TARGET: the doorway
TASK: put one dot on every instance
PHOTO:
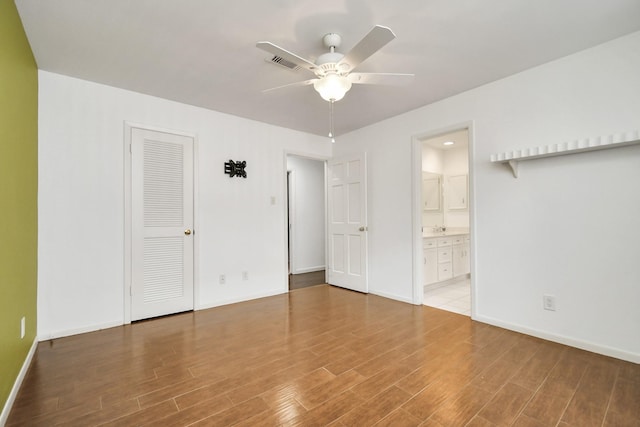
(306, 221)
(444, 217)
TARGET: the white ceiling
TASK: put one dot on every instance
(202, 52)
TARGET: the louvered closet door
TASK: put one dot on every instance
(162, 223)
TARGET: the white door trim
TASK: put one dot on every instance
(416, 209)
(416, 220)
(291, 213)
(285, 205)
(126, 291)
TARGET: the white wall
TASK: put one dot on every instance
(432, 159)
(569, 226)
(308, 214)
(81, 208)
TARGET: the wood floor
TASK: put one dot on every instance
(304, 280)
(322, 356)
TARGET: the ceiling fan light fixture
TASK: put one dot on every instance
(332, 87)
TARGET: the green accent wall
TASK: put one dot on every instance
(18, 195)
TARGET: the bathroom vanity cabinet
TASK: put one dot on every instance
(445, 257)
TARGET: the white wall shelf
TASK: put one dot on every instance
(512, 158)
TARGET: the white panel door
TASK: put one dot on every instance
(162, 221)
(347, 231)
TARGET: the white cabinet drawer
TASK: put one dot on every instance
(445, 271)
(458, 240)
(429, 243)
(444, 241)
(444, 254)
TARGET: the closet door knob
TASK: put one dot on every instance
(187, 231)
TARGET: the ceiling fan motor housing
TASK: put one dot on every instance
(328, 62)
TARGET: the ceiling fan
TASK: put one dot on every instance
(333, 70)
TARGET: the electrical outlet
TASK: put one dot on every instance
(549, 302)
(223, 279)
(22, 327)
(245, 275)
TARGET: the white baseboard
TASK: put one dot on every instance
(76, 331)
(308, 269)
(18, 383)
(561, 339)
(393, 297)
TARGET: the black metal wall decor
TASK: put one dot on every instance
(235, 169)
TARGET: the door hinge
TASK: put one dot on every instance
(130, 149)
(130, 291)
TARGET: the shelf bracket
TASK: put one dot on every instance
(514, 167)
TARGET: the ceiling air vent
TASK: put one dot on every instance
(284, 63)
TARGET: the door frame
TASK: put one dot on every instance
(285, 203)
(416, 208)
(291, 214)
(127, 261)
(291, 211)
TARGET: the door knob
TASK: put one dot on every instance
(187, 231)
(362, 229)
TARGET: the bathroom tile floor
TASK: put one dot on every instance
(455, 297)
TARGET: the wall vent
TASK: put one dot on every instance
(284, 63)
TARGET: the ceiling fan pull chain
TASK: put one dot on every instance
(333, 139)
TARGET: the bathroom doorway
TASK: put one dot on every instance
(444, 215)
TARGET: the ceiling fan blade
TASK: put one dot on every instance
(370, 44)
(393, 79)
(303, 83)
(285, 54)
